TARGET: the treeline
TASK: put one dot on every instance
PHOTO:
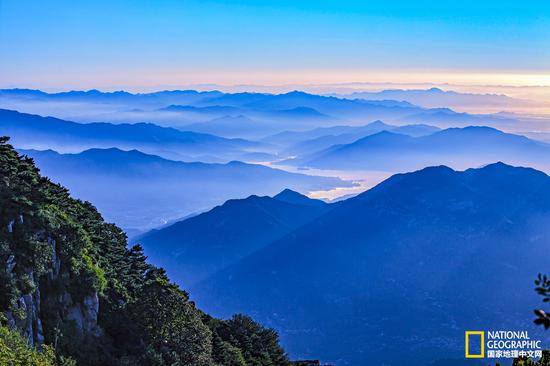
(70, 286)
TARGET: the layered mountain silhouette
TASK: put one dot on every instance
(197, 247)
(35, 132)
(353, 134)
(233, 126)
(299, 102)
(292, 111)
(141, 191)
(437, 98)
(170, 97)
(214, 110)
(446, 117)
(295, 139)
(394, 276)
(458, 147)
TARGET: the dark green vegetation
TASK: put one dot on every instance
(68, 280)
(543, 318)
(543, 289)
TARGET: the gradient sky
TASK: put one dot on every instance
(139, 44)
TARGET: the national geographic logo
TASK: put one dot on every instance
(501, 344)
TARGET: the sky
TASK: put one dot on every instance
(146, 45)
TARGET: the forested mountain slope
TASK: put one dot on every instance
(68, 280)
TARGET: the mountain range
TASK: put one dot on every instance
(329, 136)
(458, 147)
(287, 138)
(395, 275)
(29, 131)
(294, 110)
(438, 98)
(141, 191)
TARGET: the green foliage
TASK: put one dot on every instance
(15, 350)
(62, 247)
(173, 330)
(228, 355)
(542, 284)
(256, 344)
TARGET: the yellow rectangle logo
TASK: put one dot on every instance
(479, 333)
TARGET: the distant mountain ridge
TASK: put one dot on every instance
(233, 126)
(141, 191)
(196, 248)
(36, 132)
(436, 97)
(116, 96)
(189, 108)
(300, 106)
(474, 145)
(327, 137)
(290, 196)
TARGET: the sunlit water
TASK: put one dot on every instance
(362, 179)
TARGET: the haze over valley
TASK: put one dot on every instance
(165, 155)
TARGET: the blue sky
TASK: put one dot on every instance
(107, 43)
